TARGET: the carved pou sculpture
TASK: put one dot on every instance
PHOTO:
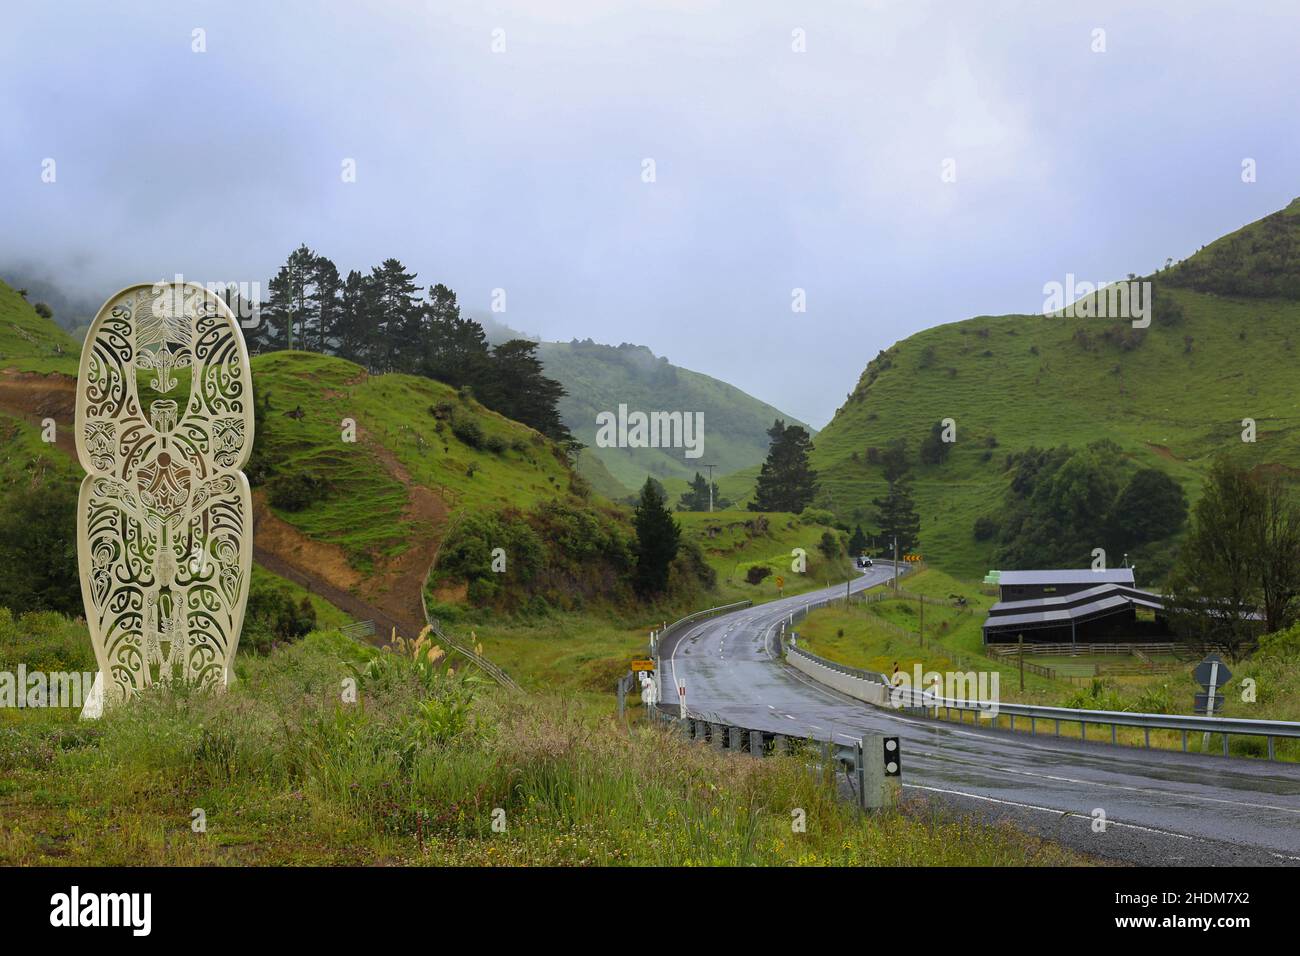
(164, 519)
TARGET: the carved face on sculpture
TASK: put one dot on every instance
(164, 423)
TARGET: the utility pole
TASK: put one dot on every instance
(921, 600)
(710, 467)
(1021, 642)
(895, 564)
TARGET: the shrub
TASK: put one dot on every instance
(43, 310)
(985, 528)
(829, 545)
(274, 618)
(816, 516)
(467, 429)
(496, 444)
(756, 573)
(296, 491)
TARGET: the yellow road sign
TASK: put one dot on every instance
(643, 665)
(780, 582)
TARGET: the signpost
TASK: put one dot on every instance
(1211, 673)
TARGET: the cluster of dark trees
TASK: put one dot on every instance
(1258, 261)
(1063, 503)
(386, 322)
(1238, 569)
(697, 497)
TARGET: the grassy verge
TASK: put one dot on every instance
(281, 771)
(878, 636)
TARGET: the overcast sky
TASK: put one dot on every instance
(774, 169)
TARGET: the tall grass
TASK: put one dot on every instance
(417, 770)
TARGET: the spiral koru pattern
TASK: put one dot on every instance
(164, 521)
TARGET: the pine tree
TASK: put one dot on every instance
(858, 541)
(895, 512)
(292, 308)
(786, 482)
(455, 348)
(657, 538)
(519, 389)
(352, 327)
(396, 336)
(696, 498)
(326, 288)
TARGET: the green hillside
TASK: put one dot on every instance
(410, 430)
(599, 378)
(30, 342)
(1171, 395)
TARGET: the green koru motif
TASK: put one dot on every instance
(164, 520)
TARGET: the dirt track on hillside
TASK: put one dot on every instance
(390, 597)
(34, 397)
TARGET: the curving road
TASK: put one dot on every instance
(1161, 807)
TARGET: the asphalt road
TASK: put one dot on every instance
(1161, 807)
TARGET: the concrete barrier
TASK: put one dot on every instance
(859, 688)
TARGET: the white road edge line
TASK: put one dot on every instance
(1060, 813)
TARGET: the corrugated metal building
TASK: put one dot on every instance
(1072, 606)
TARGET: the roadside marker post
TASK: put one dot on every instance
(879, 771)
(681, 700)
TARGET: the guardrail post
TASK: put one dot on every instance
(780, 745)
(1270, 748)
(715, 735)
(756, 743)
(697, 729)
(733, 738)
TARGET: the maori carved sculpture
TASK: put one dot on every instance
(164, 424)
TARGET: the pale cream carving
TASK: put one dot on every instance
(164, 424)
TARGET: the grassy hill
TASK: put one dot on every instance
(601, 377)
(30, 342)
(1171, 396)
(410, 431)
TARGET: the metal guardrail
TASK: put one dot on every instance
(358, 629)
(691, 618)
(871, 790)
(657, 638)
(485, 665)
(1185, 723)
